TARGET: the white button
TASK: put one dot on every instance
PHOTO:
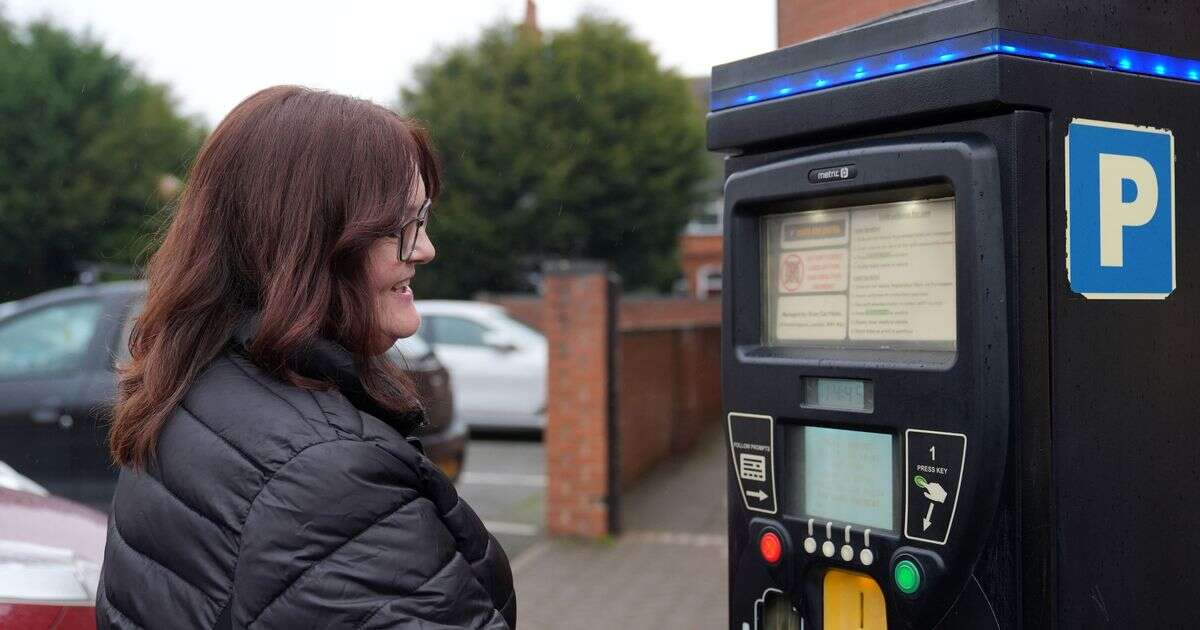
(827, 548)
(810, 544)
(847, 553)
(866, 557)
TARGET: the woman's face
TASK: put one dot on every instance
(390, 282)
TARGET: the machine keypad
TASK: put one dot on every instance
(847, 552)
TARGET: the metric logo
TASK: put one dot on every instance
(1120, 210)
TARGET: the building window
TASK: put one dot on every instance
(708, 281)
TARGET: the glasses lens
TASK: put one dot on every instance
(408, 239)
(411, 230)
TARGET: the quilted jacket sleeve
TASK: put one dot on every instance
(342, 536)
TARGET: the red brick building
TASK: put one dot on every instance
(700, 260)
(802, 20)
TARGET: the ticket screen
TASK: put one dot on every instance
(841, 475)
(873, 276)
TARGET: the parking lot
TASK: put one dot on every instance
(504, 481)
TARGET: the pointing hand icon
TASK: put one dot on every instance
(935, 492)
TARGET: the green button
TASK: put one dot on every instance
(908, 577)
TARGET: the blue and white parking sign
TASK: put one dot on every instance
(1120, 210)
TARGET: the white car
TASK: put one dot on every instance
(497, 363)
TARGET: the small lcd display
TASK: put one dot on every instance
(871, 276)
(842, 476)
(847, 394)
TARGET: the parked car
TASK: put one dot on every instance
(57, 384)
(445, 436)
(50, 555)
(498, 363)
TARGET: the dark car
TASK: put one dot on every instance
(57, 383)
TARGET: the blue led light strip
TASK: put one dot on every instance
(983, 43)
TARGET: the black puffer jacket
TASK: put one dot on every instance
(268, 506)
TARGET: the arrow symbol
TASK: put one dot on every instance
(758, 494)
(925, 523)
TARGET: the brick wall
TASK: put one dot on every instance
(645, 312)
(670, 393)
(634, 312)
(802, 20)
(648, 380)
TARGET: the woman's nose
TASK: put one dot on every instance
(424, 250)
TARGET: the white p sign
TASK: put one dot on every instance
(1115, 213)
(1120, 210)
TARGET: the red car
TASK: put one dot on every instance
(50, 555)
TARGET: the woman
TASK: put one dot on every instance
(266, 478)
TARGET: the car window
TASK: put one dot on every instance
(50, 340)
(522, 331)
(428, 329)
(458, 331)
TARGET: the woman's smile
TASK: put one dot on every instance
(403, 290)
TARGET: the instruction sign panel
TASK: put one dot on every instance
(881, 275)
(752, 447)
(1120, 210)
(934, 464)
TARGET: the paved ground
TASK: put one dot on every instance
(504, 481)
(666, 572)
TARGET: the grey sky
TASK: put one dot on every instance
(215, 53)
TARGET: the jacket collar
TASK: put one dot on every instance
(326, 360)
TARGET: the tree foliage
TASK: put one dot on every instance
(84, 145)
(573, 143)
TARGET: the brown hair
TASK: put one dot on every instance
(278, 214)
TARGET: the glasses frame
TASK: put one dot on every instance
(405, 250)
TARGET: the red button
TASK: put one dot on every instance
(770, 547)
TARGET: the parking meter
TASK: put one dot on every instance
(960, 326)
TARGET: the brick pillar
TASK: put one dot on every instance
(580, 436)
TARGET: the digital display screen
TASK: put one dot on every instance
(839, 393)
(872, 276)
(841, 475)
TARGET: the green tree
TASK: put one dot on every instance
(573, 143)
(85, 143)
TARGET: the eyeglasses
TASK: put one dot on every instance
(411, 231)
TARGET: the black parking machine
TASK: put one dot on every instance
(961, 345)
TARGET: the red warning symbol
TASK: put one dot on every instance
(792, 271)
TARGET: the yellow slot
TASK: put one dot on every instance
(853, 601)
